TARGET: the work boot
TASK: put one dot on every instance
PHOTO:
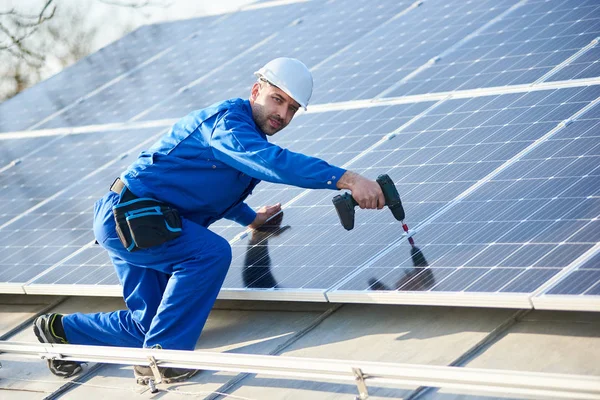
(169, 375)
(48, 329)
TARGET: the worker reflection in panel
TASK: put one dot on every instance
(257, 263)
(154, 220)
(420, 278)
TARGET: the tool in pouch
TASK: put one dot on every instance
(143, 222)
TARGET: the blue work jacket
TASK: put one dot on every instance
(211, 160)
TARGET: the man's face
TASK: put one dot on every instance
(272, 108)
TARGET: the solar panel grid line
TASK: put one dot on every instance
(506, 164)
(567, 271)
(400, 240)
(203, 77)
(414, 5)
(458, 94)
(61, 262)
(558, 278)
(98, 90)
(82, 129)
(10, 165)
(450, 49)
(408, 45)
(567, 62)
(518, 51)
(93, 173)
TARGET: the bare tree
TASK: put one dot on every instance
(16, 27)
(57, 35)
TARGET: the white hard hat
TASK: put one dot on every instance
(291, 76)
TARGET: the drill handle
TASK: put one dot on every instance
(344, 205)
(392, 198)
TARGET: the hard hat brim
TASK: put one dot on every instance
(273, 81)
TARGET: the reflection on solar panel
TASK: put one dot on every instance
(500, 181)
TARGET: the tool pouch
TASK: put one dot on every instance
(143, 223)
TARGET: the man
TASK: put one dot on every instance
(154, 220)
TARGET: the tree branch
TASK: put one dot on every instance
(136, 4)
(24, 26)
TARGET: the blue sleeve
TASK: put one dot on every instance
(236, 143)
(241, 213)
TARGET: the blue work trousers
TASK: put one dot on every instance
(169, 289)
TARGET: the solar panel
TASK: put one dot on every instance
(47, 199)
(584, 281)
(500, 186)
(313, 37)
(488, 229)
(167, 74)
(392, 51)
(521, 48)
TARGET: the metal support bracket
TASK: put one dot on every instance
(157, 376)
(51, 356)
(363, 394)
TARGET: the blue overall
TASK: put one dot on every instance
(205, 166)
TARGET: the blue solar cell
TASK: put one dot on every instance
(583, 281)
(529, 280)
(520, 48)
(15, 149)
(384, 56)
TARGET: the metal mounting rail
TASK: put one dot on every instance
(460, 380)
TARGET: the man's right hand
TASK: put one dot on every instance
(367, 193)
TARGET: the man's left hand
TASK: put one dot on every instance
(263, 214)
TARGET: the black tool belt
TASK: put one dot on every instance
(143, 222)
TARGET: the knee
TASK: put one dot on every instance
(222, 249)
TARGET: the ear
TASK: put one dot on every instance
(254, 92)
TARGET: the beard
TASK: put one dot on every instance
(262, 119)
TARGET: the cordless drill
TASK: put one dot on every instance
(345, 203)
